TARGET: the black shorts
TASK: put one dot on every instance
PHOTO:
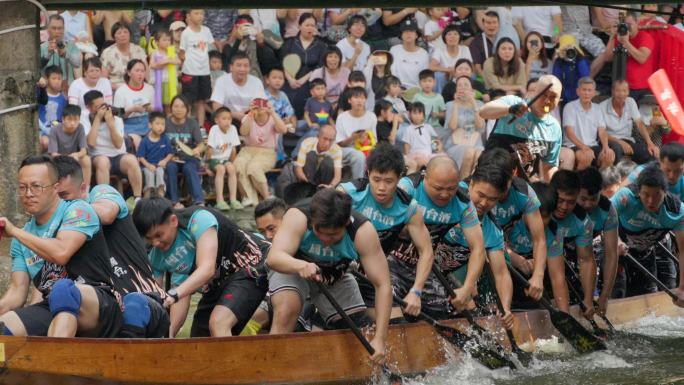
(115, 165)
(159, 318)
(196, 88)
(37, 318)
(240, 293)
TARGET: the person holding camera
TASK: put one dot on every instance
(56, 51)
(638, 46)
(569, 67)
(104, 130)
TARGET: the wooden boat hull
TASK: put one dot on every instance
(319, 357)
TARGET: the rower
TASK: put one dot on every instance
(444, 206)
(529, 133)
(144, 316)
(603, 216)
(203, 249)
(577, 231)
(646, 212)
(518, 238)
(62, 249)
(485, 188)
(671, 161)
(394, 214)
(520, 203)
(317, 240)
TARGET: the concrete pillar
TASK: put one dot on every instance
(19, 61)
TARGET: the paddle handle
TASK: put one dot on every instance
(534, 99)
(450, 288)
(355, 329)
(650, 275)
(499, 306)
(669, 254)
(523, 281)
(582, 306)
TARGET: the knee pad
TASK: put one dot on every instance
(136, 310)
(64, 297)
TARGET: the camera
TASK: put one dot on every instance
(60, 44)
(622, 27)
(116, 111)
(571, 54)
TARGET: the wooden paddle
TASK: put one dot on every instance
(650, 275)
(486, 357)
(668, 253)
(523, 356)
(481, 332)
(579, 337)
(393, 377)
(531, 102)
(578, 295)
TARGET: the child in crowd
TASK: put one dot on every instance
(51, 102)
(154, 153)
(69, 138)
(433, 28)
(388, 121)
(356, 79)
(221, 151)
(419, 138)
(159, 64)
(216, 66)
(275, 79)
(176, 28)
(393, 95)
(317, 110)
(435, 108)
(195, 45)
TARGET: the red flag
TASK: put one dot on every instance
(667, 99)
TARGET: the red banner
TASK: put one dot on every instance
(668, 100)
(670, 58)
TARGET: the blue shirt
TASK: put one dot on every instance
(520, 240)
(603, 216)
(576, 229)
(529, 138)
(642, 228)
(521, 200)
(180, 258)
(51, 112)
(107, 192)
(676, 189)
(74, 215)
(281, 104)
(154, 152)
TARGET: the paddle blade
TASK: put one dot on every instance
(579, 337)
(485, 356)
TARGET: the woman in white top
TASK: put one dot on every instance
(355, 51)
(92, 80)
(409, 58)
(444, 59)
(135, 98)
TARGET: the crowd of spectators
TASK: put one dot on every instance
(238, 95)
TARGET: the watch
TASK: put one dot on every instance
(173, 294)
(417, 292)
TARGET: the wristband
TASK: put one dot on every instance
(173, 294)
(417, 292)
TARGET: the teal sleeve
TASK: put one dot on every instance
(105, 191)
(200, 222)
(18, 261)
(611, 220)
(554, 245)
(81, 217)
(406, 185)
(532, 204)
(586, 236)
(469, 216)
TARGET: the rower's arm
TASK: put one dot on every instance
(610, 263)
(421, 239)
(502, 278)
(587, 267)
(558, 283)
(475, 239)
(16, 293)
(205, 264)
(494, 110)
(374, 264)
(535, 225)
(57, 250)
(286, 242)
(177, 315)
(106, 210)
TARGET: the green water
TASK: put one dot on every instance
(650, 351)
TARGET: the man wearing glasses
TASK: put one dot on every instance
(63, 251)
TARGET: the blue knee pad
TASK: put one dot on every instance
(6, 331)
(136, 310)
(65, 297)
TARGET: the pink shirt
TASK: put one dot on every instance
(334, 84)
(261, 135)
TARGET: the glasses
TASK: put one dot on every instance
(35, 189)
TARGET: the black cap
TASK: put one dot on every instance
(408, 25)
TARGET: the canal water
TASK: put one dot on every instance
(649, 351)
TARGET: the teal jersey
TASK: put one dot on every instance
(179, 260)
(520, 240)
(105, 191)
(388, 221)
(640, 228)
(577, 230)
(74, 215)
(676, 189)
(520, 201)
(603, 216)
